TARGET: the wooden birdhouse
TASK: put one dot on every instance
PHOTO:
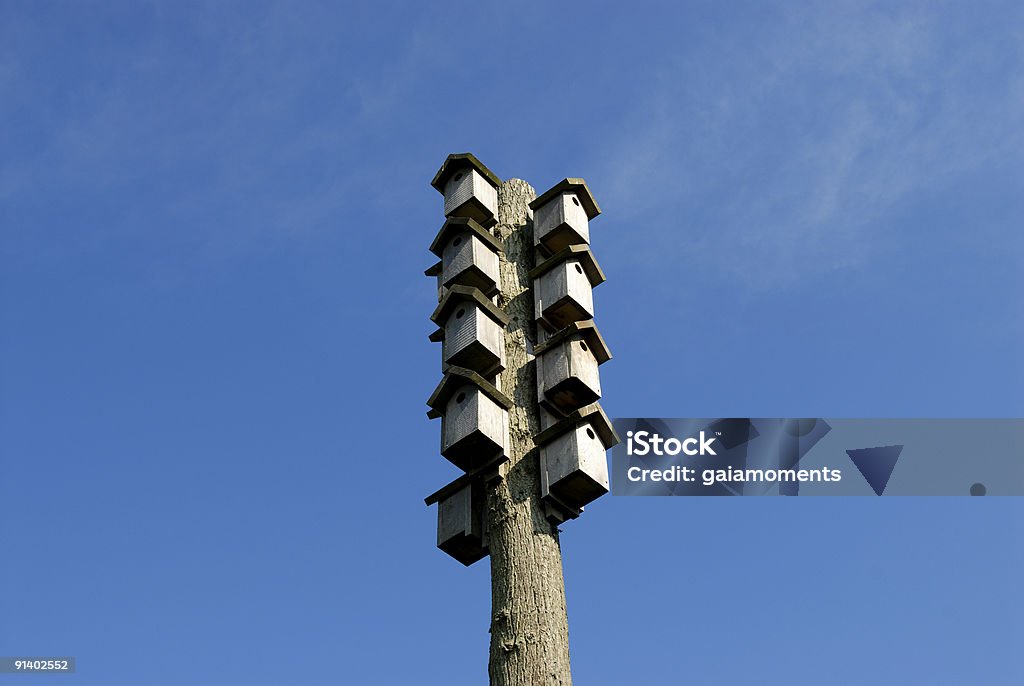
(474, 418)
(469, 255)
(470, 189)
(562, 214)
(563, 287)
(573, 465)
(472, 331)
(460, 523)
(567, 362)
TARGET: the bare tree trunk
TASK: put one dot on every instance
(529, 627)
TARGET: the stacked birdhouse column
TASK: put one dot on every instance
(518, 398)
(575, 431)
(468, 400)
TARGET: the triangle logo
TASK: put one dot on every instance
(876, 464)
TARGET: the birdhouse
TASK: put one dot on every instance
(567, 375)
(563, 287)
(470, 189)
(572, 457)
(469, 255)
(435, 271)
(472, 331)
(474, 418)
(562, 214)
(461, 525)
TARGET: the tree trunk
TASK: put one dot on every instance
(529, 626)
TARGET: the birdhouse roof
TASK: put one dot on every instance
(482, 474)
(462, 160)
(588, 331)
(592, 414)
(577, 186)
(573, 252)
(434, 269)
(454, 379)
(456, 224)
(460, 294)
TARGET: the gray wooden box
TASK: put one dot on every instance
(563, 287)
(567, 367)
(469, 255)
(562, 214)
(573, 465)
(474, 418)
(470, 189)
(472, 331)
(460, 524)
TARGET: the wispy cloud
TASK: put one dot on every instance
(804, 135)
(249, 125)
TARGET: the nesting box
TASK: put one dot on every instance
(572, 457)
(472, 331)
(470, 189)
(474, 418)
(575, 467)
(567, 374)
(563, 287)
(562, 214)
(469, 255)
(460, 524)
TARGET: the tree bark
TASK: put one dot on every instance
(529, 625)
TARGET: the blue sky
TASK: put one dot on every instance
(214, 355)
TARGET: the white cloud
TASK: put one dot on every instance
(795, 142)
